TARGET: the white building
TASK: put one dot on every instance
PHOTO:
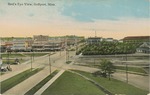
(94, 40)
(144, 48)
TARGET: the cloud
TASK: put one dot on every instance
(78, 20)
(107, 10)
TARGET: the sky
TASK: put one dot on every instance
(109, 18)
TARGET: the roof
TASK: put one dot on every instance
(136, 37)
(146, 44)
(143, 48)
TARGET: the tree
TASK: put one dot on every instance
(107, 67)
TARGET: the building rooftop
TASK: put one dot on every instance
(136, 37)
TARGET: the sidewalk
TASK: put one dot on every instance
(29, 83)
(40, 91)
(15, 70)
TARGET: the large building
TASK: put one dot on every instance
(136, 39)
(44, 43)
(94, 40)
(23, 44)
(72, 39)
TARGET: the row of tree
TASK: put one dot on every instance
(108, 48)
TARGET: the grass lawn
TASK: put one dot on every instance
(133, 69)
(35, 54)
(15, 55)
(116, 86)
(12, 61)
(42, 83)
(11, 82)
(12, 55)
(72, 84)
(130, 69)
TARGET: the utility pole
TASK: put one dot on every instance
(126, 65)
(68, 54)
(66, 49)
(50, 63)
(8, 62)
(60, 52)
(33, 54)
(31, 62)
(127, 72)
(7, 56)
(60, 47)
(76, 44)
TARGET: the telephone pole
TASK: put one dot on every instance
(50, 63)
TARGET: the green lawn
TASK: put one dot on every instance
(130, 69)
(116, 86)
(11, 82)
(133, 69)
(35, 54)
(12, 61)
(12, 55)
(39, 85)
(72, 84)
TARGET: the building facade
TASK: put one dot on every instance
(136, 39)
(144, 48)
(94, 40)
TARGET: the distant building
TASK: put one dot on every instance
(136, 39)
(121, 41)
(48, 46)
(39, 41)
(54, 46)
(144, 48)
(21, 44)
(110, 40)
(94, 40)
(38, 45)
(44, 43)
(40, 38)
(2, 47)
(72, 39)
